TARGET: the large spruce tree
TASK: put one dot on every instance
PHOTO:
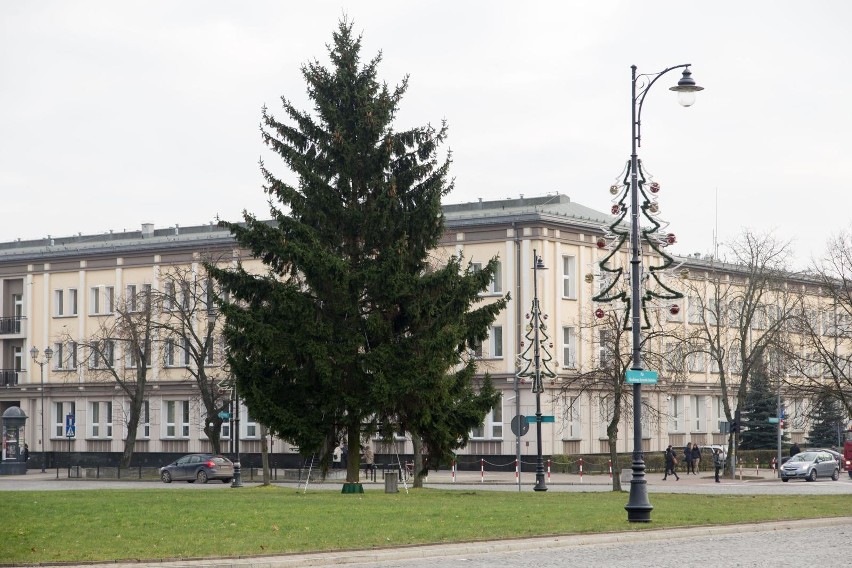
(761, 403)
(827, 421)
(352, 328)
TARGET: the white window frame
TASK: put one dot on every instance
(60, 409)
(59, 302)
(492, 425)
(496, 341)
(65, 356)
(573, 419)
(569, 277)
(252, 432)
(569, 347)
(101, 300)
(676, 414)
(100, 420)
(699, 420)
(176, 419)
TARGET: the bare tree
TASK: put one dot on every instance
(604, 379)
(120, 351)
(741, 310)
(824, 326)
(187, 331)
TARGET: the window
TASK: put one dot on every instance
(573, 418)
(569, 277)
(497, 342)
(130, 298)
(605, 347)
(676, 413)
(65, 302)
(673, 358)
(492, 425)
(102, 354)
(251, 426)
(131, 358)
(698, 416)
(176, 352)
(226, 430)
(60, 410)
(497, 279)
(177, 419)
(798, 416)
(718, 413)
(606, 411)
(65, 356)
(145, 420)
(100, 419)
(185, 295)
(569, 347)
(696, 310)
(477, 348)
(59, 302)
(102, 300)
(169, 296)
(697, 362)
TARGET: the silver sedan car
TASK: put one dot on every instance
(810, 465)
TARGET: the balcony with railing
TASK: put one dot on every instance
(11, 325)
(9, 378)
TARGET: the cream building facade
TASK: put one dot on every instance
(57, 289)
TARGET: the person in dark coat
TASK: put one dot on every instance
(718, 462)
(696, 458)
(670, 463)
(794, 449)
(687, 458)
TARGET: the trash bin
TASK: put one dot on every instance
(391, 482)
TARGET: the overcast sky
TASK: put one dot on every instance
(114, 114)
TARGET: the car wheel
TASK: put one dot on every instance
(202, 476)
(166, 477)
(836, 475)
(812, 475)
(785, 479)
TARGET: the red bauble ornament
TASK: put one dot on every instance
(674, 309)
(616, 209)
(671, 239)
(655, 187)
(601, 243)
(599, 313)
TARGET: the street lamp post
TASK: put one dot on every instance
(48, 353)
(638, 507)
(235, 416)
(538, 387)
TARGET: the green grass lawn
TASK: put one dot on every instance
(73, 526)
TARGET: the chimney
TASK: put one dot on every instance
(147, 230)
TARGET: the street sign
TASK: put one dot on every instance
(635, 377)
(225, 415)
(520, 425)
(70, 427)
(773, 420)
(543, 419)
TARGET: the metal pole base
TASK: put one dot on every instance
(238, 475)
(638, 507)
(539, 482)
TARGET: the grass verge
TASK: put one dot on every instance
(82, 526)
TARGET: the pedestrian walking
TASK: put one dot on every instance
(671, 462)
(26, 453)
(696, 459)
(336, 456)
(368, 458)
(687, 458)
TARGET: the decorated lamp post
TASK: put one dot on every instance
(537, 359)
(638, 186)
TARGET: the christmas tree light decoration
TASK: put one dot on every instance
(618, 235)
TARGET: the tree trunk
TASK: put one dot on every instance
(612, 435)
(353, 461)
(264, 453)
(418, 459)
(132, 427)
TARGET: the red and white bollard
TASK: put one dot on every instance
(756, 467)
(454, 471)
(516, 470)
(482, 471)
(548, 471)
(610, 469)
(581, 470)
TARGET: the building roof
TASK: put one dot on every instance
(558, 208)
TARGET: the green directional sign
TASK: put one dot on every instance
(543, 418)
(635, 377)
(773, 420)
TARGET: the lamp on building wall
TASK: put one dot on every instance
(48, 353)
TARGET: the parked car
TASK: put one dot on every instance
(810, 465)
(201, 467)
